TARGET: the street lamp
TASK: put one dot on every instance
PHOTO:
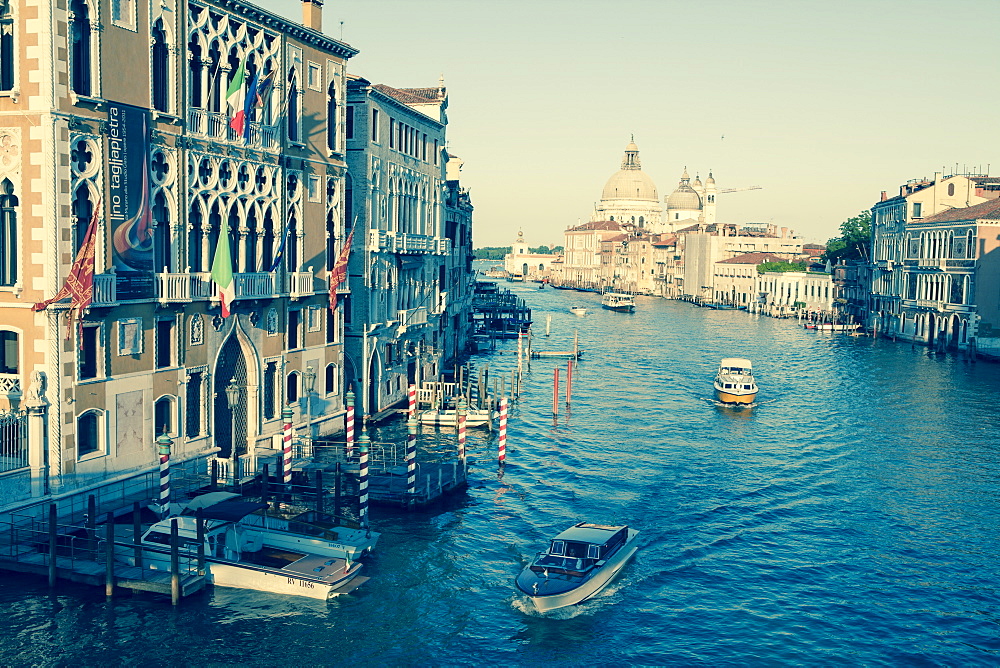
(309, 385)
(232, 399)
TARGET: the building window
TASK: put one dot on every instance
(314, 317)
(292, 387)
(970, 244)
(271, 322)
(293, 108)
(349, 122)
(164, 343)
(7, 51)
(917, 206)
(89, 355)
(313, 187)
(270, 390)
(8, 234)
(314, 76)
(193, 421)
(375, 126)
(123, 13)
(89, 436)
(161, 68)
(197, 330)
(293, 329)
(331, 379)
(163, 416)
(331, 117)
(80, 38)
(130, 336)
(392, 133)
(951, 190)
(9, 352)
(331, 325)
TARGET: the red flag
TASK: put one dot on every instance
(339, 271)
(79, 285)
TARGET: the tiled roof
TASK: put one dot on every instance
(617, 237)
(987, 210)
(597, 225)
(753, 258)
(664, 240)
(410, 95)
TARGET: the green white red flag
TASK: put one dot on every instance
(222, 273)
(236, 99)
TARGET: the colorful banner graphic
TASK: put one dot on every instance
(128, 201)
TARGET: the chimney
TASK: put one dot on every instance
(884, 196)
(312, 14)
(784, 232)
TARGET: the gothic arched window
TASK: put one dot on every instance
(80, 39)
(293, 108)
(8, 234)
(161, 68)
(331, 117)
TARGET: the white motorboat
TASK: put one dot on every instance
(616, 301)
(578, 310)
(734, 383)
(474, 417)
(303, 555)
(579, 563)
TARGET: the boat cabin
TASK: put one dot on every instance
(736, 366)
(580, 548)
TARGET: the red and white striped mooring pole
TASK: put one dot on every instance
(411, 458)
(363, 442)
(349, 426)
(502, 442)
(411, 410)
(164, 442)
(461, 429)
(286, 442)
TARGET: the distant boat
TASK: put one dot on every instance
(496, 272)
(615, 301)
(579, 563)
(474, 417)
(578, 310)
(832, 327)
(735, 384)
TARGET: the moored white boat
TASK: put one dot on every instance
(579, 563)
(616, 301)
(474, 417)
(734, 383)
(578, 310)
(303, 555)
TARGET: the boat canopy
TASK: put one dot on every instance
(735, 364)
(593, 534)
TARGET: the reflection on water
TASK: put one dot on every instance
(839, 520)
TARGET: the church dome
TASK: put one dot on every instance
(684, 198)
(630, 182)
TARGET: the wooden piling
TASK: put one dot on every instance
(569, 380)
(199, 518)
(137, 532)
(265, 473)
(336, 489)
(109, 557)
(175, 564)
(92, 525)
(53, 543)
(319, 491)
(555, 391)
(214, 472)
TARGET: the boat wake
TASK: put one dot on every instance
(607, 596)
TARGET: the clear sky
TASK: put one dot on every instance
(822, 104)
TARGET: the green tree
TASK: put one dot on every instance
(854, 242)
(492, 252)
(781, 266)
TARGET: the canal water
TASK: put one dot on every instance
(848, 518)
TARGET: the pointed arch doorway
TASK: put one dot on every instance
(231, 425)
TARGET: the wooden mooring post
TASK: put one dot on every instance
(175, 564)
(109, 557)
(53, 542)
(137, 532)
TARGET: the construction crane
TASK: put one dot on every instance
(736, 190)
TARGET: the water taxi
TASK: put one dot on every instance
(578, 310)
(579, 563)
(307, 554)
(616, 301)
(735, 384)
(474, 417)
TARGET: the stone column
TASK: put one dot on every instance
(36, 407)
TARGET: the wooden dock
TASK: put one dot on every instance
(433, 481)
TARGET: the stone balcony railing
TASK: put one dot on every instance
(104, 290)
(257, 285)
(407, 244)
(183, 287)
(411, 317)
(300, 283)
(213, 125)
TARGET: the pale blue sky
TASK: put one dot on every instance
(823, 104)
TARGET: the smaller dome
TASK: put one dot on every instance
(697, 182)
(710, 179)
(684, 198)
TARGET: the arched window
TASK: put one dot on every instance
(951, 190)
(83, 212)
(161, 68)
(9, 352)
(196, 73)
(970, 244)
(330, 386)
(293, 108)
(80, 39)
(331, 116)
(292, 243)
(292, 387)
(90, 433)
(161, 233)
(7, 52)
(8, 234)
(165, 416)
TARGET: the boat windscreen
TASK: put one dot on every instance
(231, 511)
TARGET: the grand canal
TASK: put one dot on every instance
(849, 518)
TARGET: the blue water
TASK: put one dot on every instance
(848, 518)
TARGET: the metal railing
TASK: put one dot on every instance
(14, 445)
(216, 126)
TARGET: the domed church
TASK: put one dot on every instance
(691, 201)
(630, 196)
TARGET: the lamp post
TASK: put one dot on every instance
(232, 399)
(309, 382)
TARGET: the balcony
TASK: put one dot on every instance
(104, 290)
(442, 303)
(213, 125)
(10, 391)
(932, 263)
(183, 287)
(385, 241)
(300, 283)
(412, 317)
(258, 285)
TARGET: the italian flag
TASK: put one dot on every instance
(222, 272)
(235, 97)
